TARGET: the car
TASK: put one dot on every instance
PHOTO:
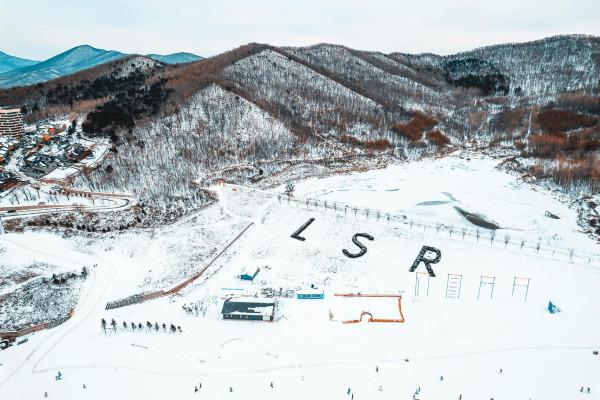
(12, 210)
(23, 341)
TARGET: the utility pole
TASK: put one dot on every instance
(1, 227)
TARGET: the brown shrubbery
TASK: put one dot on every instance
(437, 138)
(575, 145)
(579, 102)
(567, 143)
(570, 172)
(377, 145)
(555, 121)
(369, 145)
(414, 129)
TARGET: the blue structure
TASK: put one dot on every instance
(310, 294)
(552, 308)
(248, 277)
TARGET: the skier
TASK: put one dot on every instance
(500, 370)
(195, 389)
(581, 390)
(376, 369)
(380, 388)
(588, 389)
(348, 391)
(230, 389)
(441, 378)
(199, 385)
(352, 398)
(85, 387)
(460, 397)
(271, 385)
(45, 394)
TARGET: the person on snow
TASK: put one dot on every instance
(500, 370)
(85, 387)
(376, 369)
(271, 385)
(581, 390)
(441, 378)
(348, 391)
(195, 389)
(230, 389)
(380, 388)
(588, 389)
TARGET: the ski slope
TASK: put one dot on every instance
(305, 353)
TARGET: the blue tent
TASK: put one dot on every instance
(248, 276)
(552, 308)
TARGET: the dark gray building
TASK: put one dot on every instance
(249, 308)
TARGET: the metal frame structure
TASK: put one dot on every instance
(520, 281)
(453, 286)
(418, 277)
(486, 280)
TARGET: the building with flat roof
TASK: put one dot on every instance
(249, 308)
(11, 121)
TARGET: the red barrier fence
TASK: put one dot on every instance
(138, 298)
(35, 328)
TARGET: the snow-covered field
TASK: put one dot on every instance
(304, 353)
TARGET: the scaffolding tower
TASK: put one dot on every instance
(521, 282)
(453, 286)
(422, 282)
(485, 281)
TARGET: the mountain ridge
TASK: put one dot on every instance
(337, 103)
(9, 62)
(78, 58)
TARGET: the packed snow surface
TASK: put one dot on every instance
(308, 352)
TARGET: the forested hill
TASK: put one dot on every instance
(258, 103)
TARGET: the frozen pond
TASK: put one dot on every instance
(430, 190)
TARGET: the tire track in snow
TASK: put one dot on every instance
(68, 325)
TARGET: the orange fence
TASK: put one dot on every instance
(371, 318)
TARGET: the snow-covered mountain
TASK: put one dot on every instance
(538, 100)
(15, 71)
(9, 63)
(73, 60)
(175, 58)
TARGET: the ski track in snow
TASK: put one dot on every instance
(463, 339)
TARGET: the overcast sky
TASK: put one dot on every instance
(43, 28)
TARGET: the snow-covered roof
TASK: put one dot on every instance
(249, 306)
